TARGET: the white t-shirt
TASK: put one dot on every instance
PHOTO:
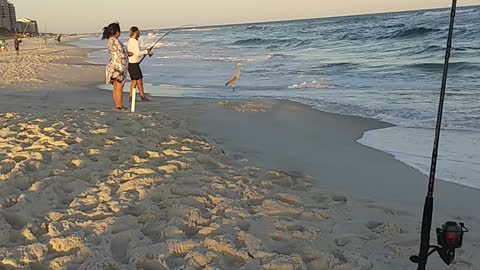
(134, 47)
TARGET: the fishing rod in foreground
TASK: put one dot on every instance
(450, 236)
(166, 34)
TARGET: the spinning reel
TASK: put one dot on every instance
(449, 238)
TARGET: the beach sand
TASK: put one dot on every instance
(199, 184)
(56, 66)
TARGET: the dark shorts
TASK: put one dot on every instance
(17, 48)
(135, 71)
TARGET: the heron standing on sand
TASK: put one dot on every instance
(234, 80)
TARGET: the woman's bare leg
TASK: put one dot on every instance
(118, 94)
(114, 95)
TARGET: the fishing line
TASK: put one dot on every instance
(166, 34)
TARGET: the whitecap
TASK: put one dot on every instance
(312, 85)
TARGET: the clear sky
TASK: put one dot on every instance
(80, 16)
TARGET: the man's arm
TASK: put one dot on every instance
(134, 47)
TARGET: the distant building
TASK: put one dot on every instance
(8, 16)
(13, 16)
(27, 26)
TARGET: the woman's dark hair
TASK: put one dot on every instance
(110, 30)
(133, 29)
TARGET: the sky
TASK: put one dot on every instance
(87, 16)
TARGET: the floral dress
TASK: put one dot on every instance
(118, 66)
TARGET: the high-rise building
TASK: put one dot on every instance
(8, 17)
(13, 16)
(4, 14)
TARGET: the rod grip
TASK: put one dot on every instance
(425, 236)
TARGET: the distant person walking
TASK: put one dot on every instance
(117, 67)
(3, 46)
(16, 44)
(134, 63)
(59, 39)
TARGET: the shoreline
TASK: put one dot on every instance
(382, 125)
(88, 187)
(365, 124)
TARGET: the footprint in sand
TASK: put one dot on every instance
(384, 229)
(119, 246)
(18, 157)
(7, 165)
(16, 220)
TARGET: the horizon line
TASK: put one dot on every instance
(298, 19)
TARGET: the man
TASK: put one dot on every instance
(16, 43)
(134, 63)
(59, 38)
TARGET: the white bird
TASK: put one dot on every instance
(234, 80)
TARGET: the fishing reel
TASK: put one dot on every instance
(449, 238)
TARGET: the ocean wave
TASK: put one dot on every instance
(151, 35)
(341, 65)
(232, 59)
(280, 56)
(428, 49)
(149, 39)
(260, 42)
(458, 66)
(459, 159)
(170, 44)
(312, 85)
(436, 13)
(256, 27)
(409, 33)
(304, 43)
(228, 59)
(466, 48)
(202, 29)
(90, 38)
(447, 12)
(397, 25)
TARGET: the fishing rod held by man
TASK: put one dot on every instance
(164, 35)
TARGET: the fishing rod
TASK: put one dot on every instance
(450, 236)
(163, 36)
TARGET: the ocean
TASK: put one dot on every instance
(382, 66)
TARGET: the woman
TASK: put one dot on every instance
(117, 68)
(134, 63)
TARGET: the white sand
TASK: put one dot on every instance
(86, 187)
(39, 67)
